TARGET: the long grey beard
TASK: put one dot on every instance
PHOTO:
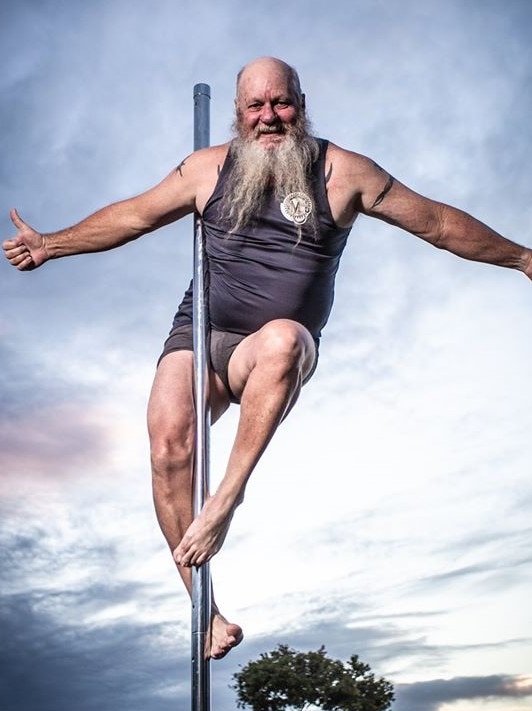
(256, 170)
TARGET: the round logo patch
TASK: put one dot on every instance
(296, 207)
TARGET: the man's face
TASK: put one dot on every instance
(267, 106)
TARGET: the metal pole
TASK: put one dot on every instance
(201, 579)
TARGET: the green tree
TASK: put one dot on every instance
(285, 679)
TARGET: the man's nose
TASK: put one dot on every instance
(268, 115)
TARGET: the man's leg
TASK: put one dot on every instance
(266, 372)
(171, 424)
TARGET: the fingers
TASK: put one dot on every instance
(22, 262)
(18, 254)
(11, 244)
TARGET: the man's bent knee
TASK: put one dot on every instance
(287, 342)
(282, 345)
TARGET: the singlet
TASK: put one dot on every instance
(262, 272)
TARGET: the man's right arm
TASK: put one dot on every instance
(113, 225)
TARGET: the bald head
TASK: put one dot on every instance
(269, 69)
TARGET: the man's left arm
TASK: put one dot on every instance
(464, 235)
(441, 225)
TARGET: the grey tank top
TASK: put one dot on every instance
(261, 273)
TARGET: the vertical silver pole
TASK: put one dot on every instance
(201, 579)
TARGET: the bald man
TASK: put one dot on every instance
(277, 205)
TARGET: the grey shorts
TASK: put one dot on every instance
(221, 347)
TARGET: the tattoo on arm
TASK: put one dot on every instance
(384, 192)
(178, 169)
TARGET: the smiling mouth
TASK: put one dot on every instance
(269, 130)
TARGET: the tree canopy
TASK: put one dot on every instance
(286, 679)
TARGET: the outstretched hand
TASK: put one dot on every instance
(27, 250)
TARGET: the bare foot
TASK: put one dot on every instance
(205, 535)
(224, 636)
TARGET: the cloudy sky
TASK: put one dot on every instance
(391, 516)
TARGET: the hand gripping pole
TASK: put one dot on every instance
(201, 579)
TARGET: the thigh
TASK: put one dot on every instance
(172, 394)
(171, 407)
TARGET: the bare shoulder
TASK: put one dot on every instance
(202, 168)
(205, 157)
(348, 164)
(185, 189)
(351, 178)
(346, 174)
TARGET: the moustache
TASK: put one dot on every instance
(261, 130)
